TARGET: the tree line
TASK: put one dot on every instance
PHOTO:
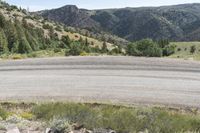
(150, 48)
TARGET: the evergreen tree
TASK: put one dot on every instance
(104, 47)
(65, 42)
(3, 42)
(92, 43)
(2, 21)
(81, 40)
(23, 44)
(11, 33)
(32, 41)
(86, 42)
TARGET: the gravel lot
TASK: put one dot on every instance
(130, 80)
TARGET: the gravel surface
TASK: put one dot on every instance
(130, 80)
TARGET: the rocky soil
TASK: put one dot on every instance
(16, 124)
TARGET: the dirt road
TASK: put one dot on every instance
(104, 79)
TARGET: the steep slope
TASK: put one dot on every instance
(71, 15)
(21, 32)
(179, 22)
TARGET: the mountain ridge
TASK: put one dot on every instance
(176, 22)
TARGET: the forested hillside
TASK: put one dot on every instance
(23, 32)
(176, 23)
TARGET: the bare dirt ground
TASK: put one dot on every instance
(128, 80)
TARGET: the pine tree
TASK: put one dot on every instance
(92, 43)
(3, 42)
(86, 42)
(104, 47)
(65, 42)
(32, 41)
(11, 34)
(81, 40)
(2, 21)
(23, 44)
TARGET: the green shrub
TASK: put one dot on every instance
(32, 55)
(3, 114)
(169, 50)
(60, 126)
(132, 50)
(95, 49)
(46, 26)
(67, 52)
(145, 47)
(84, 53)
(58, 28)
(75, 48)
(56, 50)
(179, 49)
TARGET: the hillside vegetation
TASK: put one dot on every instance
(23, 33)
(186, 50)
(99, 118)
(177, 23)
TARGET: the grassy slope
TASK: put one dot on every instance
(184, 52)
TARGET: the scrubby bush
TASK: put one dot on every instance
(169, 50)
(46, 26)
(75, 48)
(56, 50)
(179, 49)
(58, 28)
(114, 51)
(95, 49)
(3, 114)
(193, 49)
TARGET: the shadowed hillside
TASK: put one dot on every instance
(178, 23)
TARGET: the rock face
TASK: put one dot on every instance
(180, 22)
